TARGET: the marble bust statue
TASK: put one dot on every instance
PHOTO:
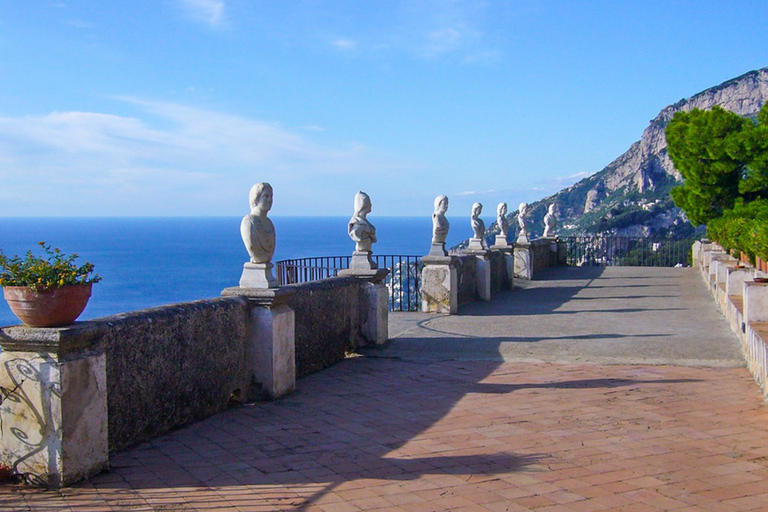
(258, 234)
(477, 242)
(440, 224)
(257, 230)
(522, 211)
(501, 219)
(550, 221)
(478, 226)
(360, 230)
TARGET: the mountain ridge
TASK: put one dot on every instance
(630, 196)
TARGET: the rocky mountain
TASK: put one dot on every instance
(630, 196)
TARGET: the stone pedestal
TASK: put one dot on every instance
(361, 260)
(438, 250)
(476, 244)
(258, 275)
(500, 243)
(482, 273)
(54, 405)
(523, 261)
(439, 285)
(375, 313)
(272, 341)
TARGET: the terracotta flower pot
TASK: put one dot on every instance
(55, 307)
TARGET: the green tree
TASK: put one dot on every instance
(711, 149)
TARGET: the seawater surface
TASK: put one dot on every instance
(146, 262)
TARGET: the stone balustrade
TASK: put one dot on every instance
(450, 281)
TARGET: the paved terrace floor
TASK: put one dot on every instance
(618, 389)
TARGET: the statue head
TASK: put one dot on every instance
(477, 208)
(441, 204)
(551, 208)
(501, 210)
(261, 197)
(362, 204)
(522, 209)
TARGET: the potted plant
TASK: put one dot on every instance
(48, 291)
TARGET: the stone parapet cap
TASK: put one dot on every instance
(261, 296)
(439, 260)
(76, 338)
(373, 275)
(482, 253)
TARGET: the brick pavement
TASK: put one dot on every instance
(379, 434)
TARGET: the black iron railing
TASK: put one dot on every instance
(403, 282)
(628, 251)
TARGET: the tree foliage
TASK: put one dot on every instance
(724, 162)
(711, 149)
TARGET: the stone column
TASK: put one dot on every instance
(523, 260)
(375, 306)
(439, 285)
(54, 404)
(272, 341)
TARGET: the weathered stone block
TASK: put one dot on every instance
(53, 415)
(523, 261)
(439, 285)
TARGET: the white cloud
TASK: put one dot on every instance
(210, 12)
(439, 27)
(476, 193)
(344, 44)
(165, 156)
(561, 182)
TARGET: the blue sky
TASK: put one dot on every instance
(176, 107)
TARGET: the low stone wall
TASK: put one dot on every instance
(328, 321)
(173, 365)
(544, 254)
(71, 395)
(743, 299)
(466, 271)
(500, 278)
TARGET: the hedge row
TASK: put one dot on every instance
(743, 228)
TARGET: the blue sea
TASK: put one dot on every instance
(146, 262)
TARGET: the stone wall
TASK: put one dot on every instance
(172, 365)
(500, 280)
(328, 321)
(740, 291)
(73, 394)
(466, 270)
(544, 252)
